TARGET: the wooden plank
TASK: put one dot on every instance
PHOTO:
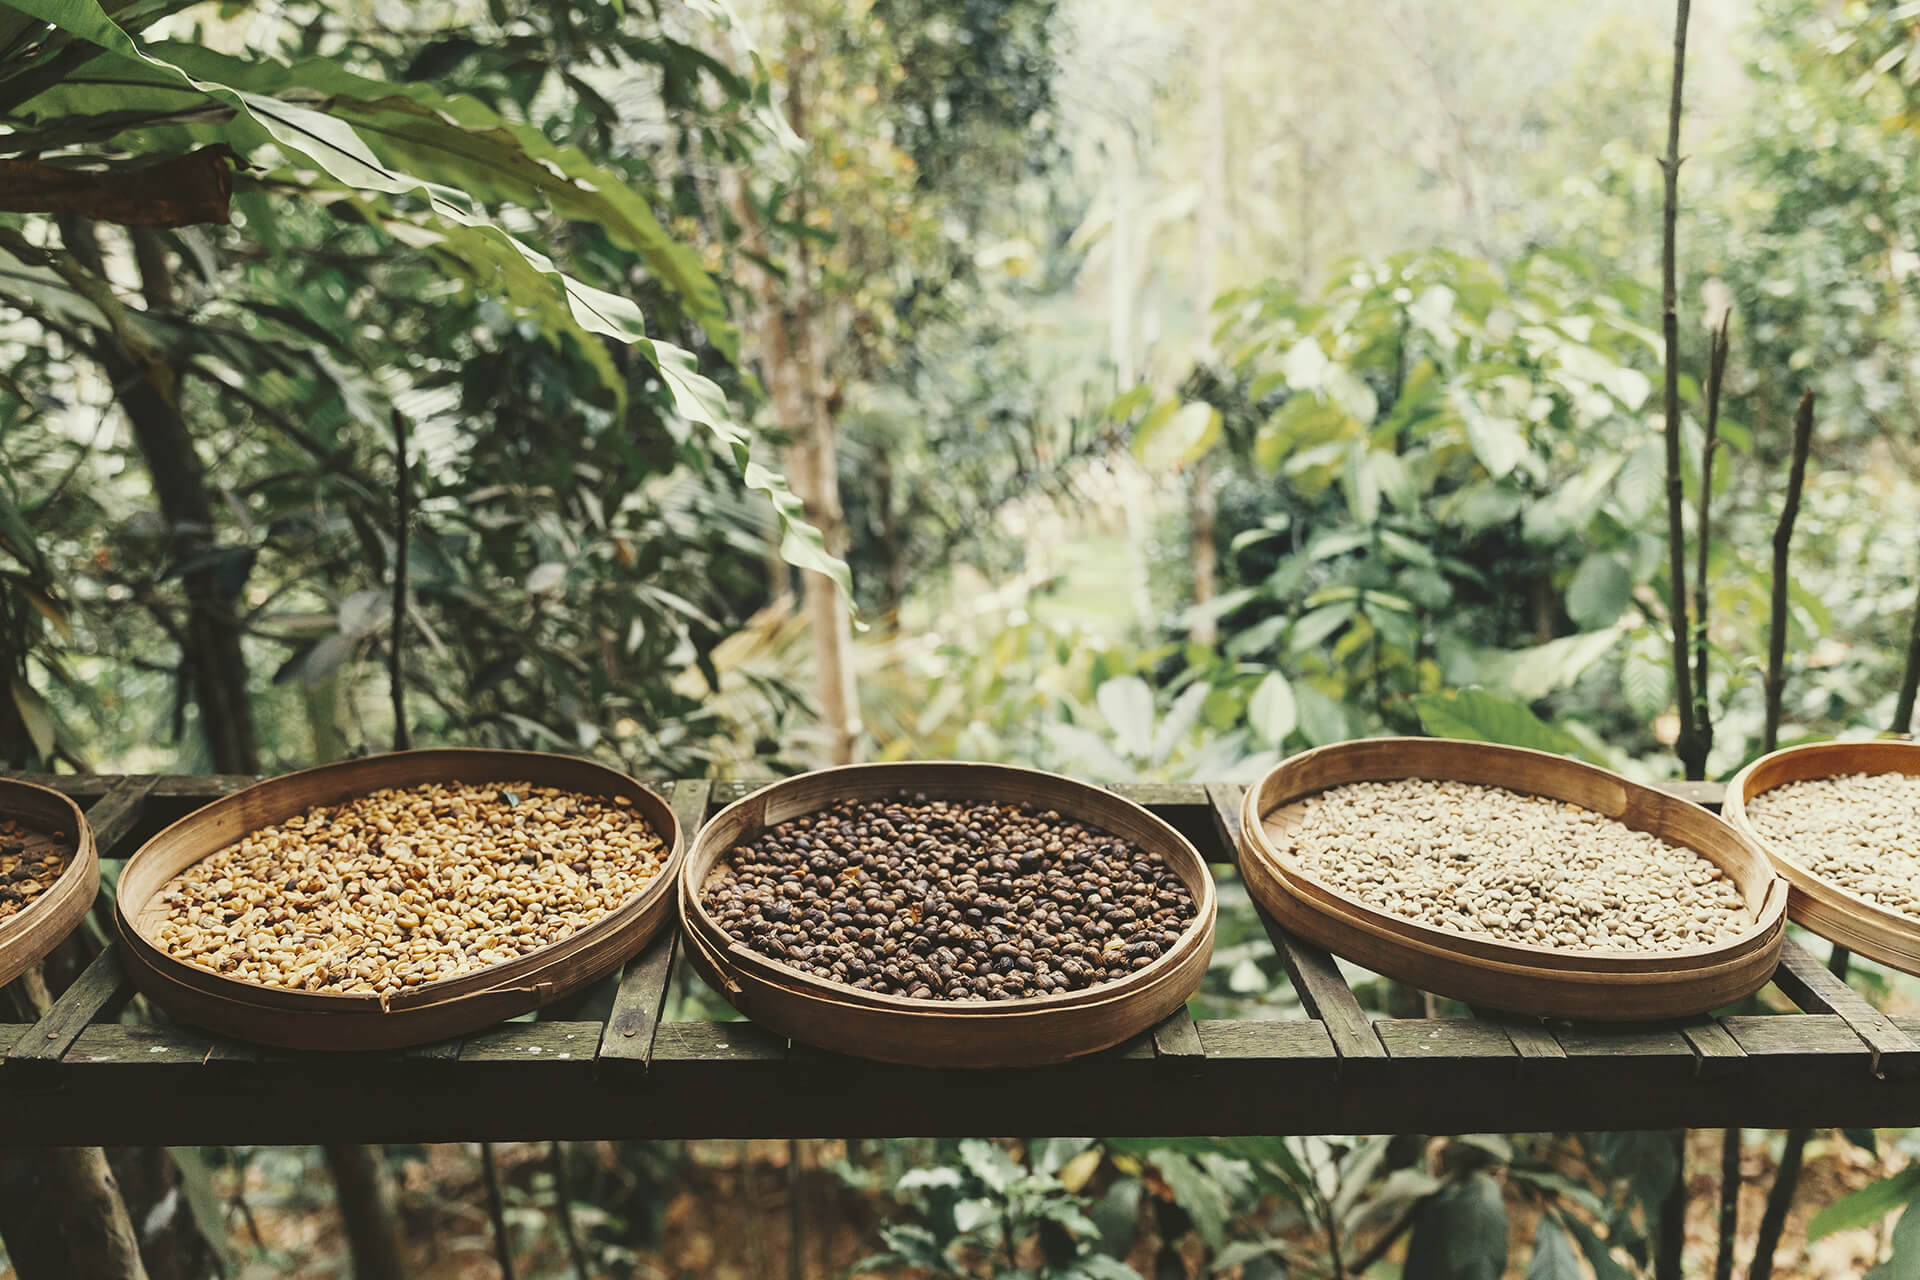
(642, 996)
(524, 1041)
(1156, 795)
(115, 815)
(1809, 984)
(1434, 1039)
(1715, 1052)
(1177, 1045)
(725, 792)
(1707, 795)
(1316, 978)
(1529, 1036)
(1592, 1040)
(525, 1080)
(99, 986)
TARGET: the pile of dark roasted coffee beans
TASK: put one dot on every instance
(947, 900)
(29, 864)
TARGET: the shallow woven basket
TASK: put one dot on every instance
(1522, 978)
(419, 1015)
(938, 1033)
(28, 935)
(1837, 914)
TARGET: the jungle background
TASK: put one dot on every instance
(1138, 391)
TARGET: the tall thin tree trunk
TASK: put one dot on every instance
(1688, 745)
(367, 1212)
(147, 387)
(61, 1216)
(1205, 555)
(61, 1213)
(891, 536)
(1206, 288)
(793, 363)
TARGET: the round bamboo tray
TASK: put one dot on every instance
(419, 1015)
(1521, 978)
(937, 1033)
(1837, 914)
(28, 935)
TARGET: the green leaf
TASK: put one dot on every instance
(37, 716)
(1479, 716)
(1314, 627)
(1086, 750)
(987, 1162)
(1646, 682)
(1600, 590)
(940, 1177)
(1198, 1193)
(1536, 672)
(1361, 484)
(1867, 1206)
(1322, 720)
(1178, 439)
(1904, 1259)
(1497, 441)
(1598, 1252)
(971, 1215)
(1459, 1233)
(1179, 721)
(1271, 710)
(1553, 1255)
(1127, 703)
(196, 1179)
(1305, 365)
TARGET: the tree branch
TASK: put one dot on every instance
(1703, 531)
(1782, 543)
(1688, 743)
(402, 521)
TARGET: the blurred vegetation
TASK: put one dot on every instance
(1166, 388)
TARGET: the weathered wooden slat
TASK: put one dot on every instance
(1177, 1044)
(1809, 984)
(1530, 1037)
(642, 997)
(100, 985)
(543, 1041)
(115, 815)
(1452, 1039)
(529, 1080)
(1715, 1052)
(1705, 794)
(726, 791)
(1316, 978)
(1160, 795)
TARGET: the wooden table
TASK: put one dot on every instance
(81, 1076)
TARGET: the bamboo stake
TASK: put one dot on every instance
(396, 644)
(1687, 745)
(1782, 543)
(1703, 532)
